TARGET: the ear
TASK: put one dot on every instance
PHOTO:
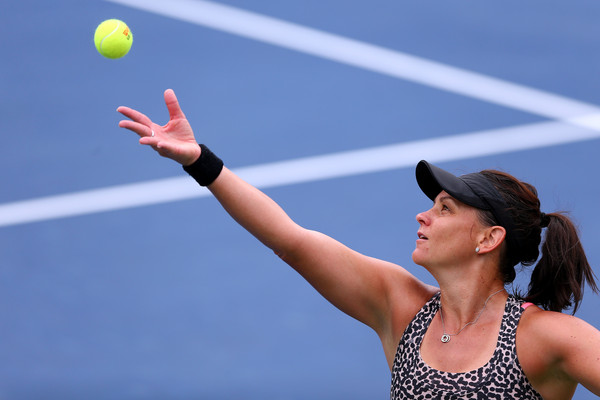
(491, 239)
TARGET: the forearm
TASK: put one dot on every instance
(255, 212)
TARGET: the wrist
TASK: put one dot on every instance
(206, 168)
(192, 158)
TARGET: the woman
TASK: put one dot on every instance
(466, 339)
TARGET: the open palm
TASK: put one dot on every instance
(175, 140)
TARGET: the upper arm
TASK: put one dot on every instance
(373, 291)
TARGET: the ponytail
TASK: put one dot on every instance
(559, 278)
(560, 275)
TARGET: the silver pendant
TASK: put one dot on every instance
(445, 338)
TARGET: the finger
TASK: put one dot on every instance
(173, 105)
(135, 115)
(149, 141)
(138, 128)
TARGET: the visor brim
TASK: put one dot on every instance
(432, 180)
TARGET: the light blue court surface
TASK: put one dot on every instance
(121, 279)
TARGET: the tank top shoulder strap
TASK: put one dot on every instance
(525, 305)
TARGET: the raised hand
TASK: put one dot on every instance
(175, 140)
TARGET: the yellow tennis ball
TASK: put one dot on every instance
(113, 38)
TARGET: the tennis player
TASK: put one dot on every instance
(467, 338)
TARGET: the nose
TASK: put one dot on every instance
(423, 218)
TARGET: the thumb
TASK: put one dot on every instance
(167, 150)
(183, 154)
(173, 105)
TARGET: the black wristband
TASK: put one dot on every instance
(206, 168)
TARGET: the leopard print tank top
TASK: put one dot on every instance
(501, 378)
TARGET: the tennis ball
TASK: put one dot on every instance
(113, 38)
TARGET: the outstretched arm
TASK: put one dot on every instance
(358, 285)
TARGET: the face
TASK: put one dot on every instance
(448, 233)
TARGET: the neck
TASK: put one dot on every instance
(463, 300)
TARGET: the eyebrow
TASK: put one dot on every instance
(446, 197)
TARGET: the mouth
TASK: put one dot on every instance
(421, 236)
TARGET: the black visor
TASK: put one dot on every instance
(474, 190)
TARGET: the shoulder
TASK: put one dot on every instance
(553, 331)
(406, 295)
(557, 347)
(553, 327)
(402, 289)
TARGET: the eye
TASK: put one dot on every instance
(445, 208)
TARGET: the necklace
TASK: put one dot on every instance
(446, 336)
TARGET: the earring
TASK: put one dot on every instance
(476, 249)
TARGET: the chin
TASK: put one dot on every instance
(418, 258)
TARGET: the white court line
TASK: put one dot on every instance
(301, 170)
(352, 52)
(374, 58)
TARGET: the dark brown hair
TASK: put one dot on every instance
(560, 275)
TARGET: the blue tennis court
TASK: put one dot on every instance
(121, 279)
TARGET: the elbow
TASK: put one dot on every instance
(280, 253)
(292, 250)
(286, 256)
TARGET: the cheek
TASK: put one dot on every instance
(455, 239)
(464, 239)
